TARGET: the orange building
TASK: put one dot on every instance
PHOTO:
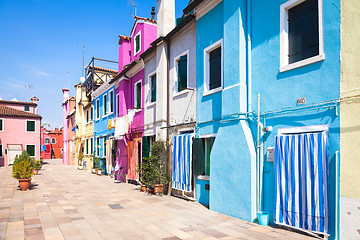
(56, 142)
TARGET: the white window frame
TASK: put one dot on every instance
(105, 114)
(45, 140)
(91, 115)
(104, 142)
(87, 147)
(97, 103)
(26, 126)
(117, 105)
(98, 147)
(284, 37)
(1, 152)
(149, 103)
(207, 51)
(135, 94)
(53, 142)
(176, 82)
(92, 148)
(3, 124)
(34, 148)
(111, 112)
(139, 33)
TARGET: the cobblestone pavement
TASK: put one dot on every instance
(66, 203)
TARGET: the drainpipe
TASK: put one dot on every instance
(337, 196)
(168, 104)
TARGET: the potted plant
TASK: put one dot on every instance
(96, 165)
(80, 161)
(37, 167)
(23, 170)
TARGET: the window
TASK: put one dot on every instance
(201, 155)
(137, 95)
(1, 124)
(47, 140)
(117, 107)
(87, 146)
(31, 150)
(91, 146)
(301, 39)
(97, 109)
(104, 153)
(87, 116)
(53, 141)
(27, 108)
(181, 63)
(137, 43)
(111, 101)
(91, 113)
(98, 147)
(213, 68)
(30, 126)
(1, 150)
(105, 105)
(153, 88)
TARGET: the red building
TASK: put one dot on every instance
(51, 143)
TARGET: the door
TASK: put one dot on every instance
(13, 150)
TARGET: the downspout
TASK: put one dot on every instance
(337, 196)
(168, 106)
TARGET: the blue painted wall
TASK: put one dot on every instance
(317, 82)
(202, 195)
(100, 125)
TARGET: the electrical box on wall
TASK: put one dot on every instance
(270, 154)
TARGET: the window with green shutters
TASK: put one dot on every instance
(137, 43)
(26, 108)
(201, 150)
(30, 150)
(91, 146)
(30, 126)
(1, 124)
(1, 150)
(97, 109)
(182, 73)
(87, 115)
(153, 88)
(137, 95)
(112, 101)
(303, 27)
(215, 68)
(91, 113)
(105, 103)
(87, 146)
(47, 140)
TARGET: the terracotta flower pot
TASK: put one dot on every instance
(24, 184)
(143, 188)
(158, 188)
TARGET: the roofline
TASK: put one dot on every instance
(18, 103)
(191, 6)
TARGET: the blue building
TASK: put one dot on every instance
(104, 111)
(245, 64)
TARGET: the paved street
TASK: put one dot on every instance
(66, 203)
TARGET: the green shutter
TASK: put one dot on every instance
(111, 101)
(198, 156)
(138, 95)
(215, 69)
(146, 146)
(182, 73)
(91, 145)
(153, 88)
(105, 104)
(31, 150)
(30, 126)
(1, 151)
(26, 108)
(47, 141)
(97, 109)
(87, 146)
(137, 43)
(1, 125)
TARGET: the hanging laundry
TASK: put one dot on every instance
(131, 114)
(109, 125)
(120, 128)
(109, 155)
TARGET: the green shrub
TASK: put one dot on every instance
(22, 169)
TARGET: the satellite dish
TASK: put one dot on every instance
(82, 79)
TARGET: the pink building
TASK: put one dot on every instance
(68, 124)
(19, 130)
(130, 93)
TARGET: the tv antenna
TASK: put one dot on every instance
(134, 6)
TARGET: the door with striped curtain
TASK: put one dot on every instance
(301, 180)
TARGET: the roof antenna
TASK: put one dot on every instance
(134, 6)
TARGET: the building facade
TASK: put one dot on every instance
(20, 130)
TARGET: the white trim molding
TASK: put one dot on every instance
(207, 51)
(134, 50)
(303, 129)
(149, 103)
(284, 37)
(135, 94)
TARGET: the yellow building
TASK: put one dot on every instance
(350, 121)
(84, 115)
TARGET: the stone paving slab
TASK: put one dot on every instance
(66, 203)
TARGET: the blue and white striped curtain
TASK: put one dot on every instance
(182, 162)
(301, 181)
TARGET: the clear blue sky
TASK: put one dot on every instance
(38, 45)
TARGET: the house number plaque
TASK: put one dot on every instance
(301, 101)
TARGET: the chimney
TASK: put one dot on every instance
(165, 17)
(65, 94)
(153, 13)
(35, 100)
